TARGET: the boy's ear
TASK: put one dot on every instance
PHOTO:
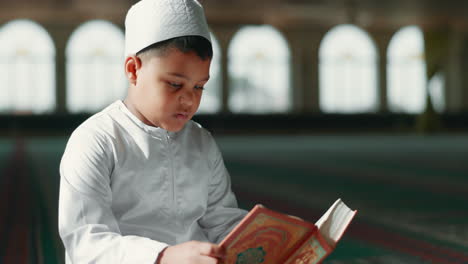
(132, 65)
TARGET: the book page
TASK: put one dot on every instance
(334, 222)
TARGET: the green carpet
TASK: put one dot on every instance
(410, 191)
(411, 186)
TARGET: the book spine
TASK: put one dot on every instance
(312, 251)
(299, 245)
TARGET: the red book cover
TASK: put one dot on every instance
(269, 237)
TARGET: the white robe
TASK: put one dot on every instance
(128, 190)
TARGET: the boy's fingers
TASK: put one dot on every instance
(212, 250)
(219, 252)
(208, 260)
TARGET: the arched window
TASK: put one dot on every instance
(406, 72)
(27, 68)
(347, 71)
(211, 99)
(259, 71)
(95, 67)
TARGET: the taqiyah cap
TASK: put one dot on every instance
(151, 21)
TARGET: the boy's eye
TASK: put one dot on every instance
(198, 87)
(176, 85)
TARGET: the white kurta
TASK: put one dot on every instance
(128, 190)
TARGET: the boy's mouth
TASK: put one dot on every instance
(182, 116)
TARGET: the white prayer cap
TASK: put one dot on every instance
(151, 21)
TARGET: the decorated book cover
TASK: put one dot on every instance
(269, 237)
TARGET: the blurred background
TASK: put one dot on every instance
(309, 101)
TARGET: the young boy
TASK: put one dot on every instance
(140, 179)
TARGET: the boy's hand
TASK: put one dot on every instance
(193, 252)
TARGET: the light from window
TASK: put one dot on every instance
(211, 99)
(27, 68)
(95, 67)
(259, 71)
(436, 87)
(406, 72)
(347, 71)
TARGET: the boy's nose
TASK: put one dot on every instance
(186, 98)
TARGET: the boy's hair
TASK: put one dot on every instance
(200, 45)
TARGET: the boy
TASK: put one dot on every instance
(140, 179)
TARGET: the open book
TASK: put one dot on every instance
(269, 237)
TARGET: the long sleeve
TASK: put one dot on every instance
(222, 213)
(87, 225)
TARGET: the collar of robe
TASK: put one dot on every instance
(152, 130)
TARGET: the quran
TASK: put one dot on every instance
(270, 237)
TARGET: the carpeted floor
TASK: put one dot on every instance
(411, 192)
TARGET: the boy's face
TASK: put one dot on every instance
(167, 89)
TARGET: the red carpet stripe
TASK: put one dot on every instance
(19, 228)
